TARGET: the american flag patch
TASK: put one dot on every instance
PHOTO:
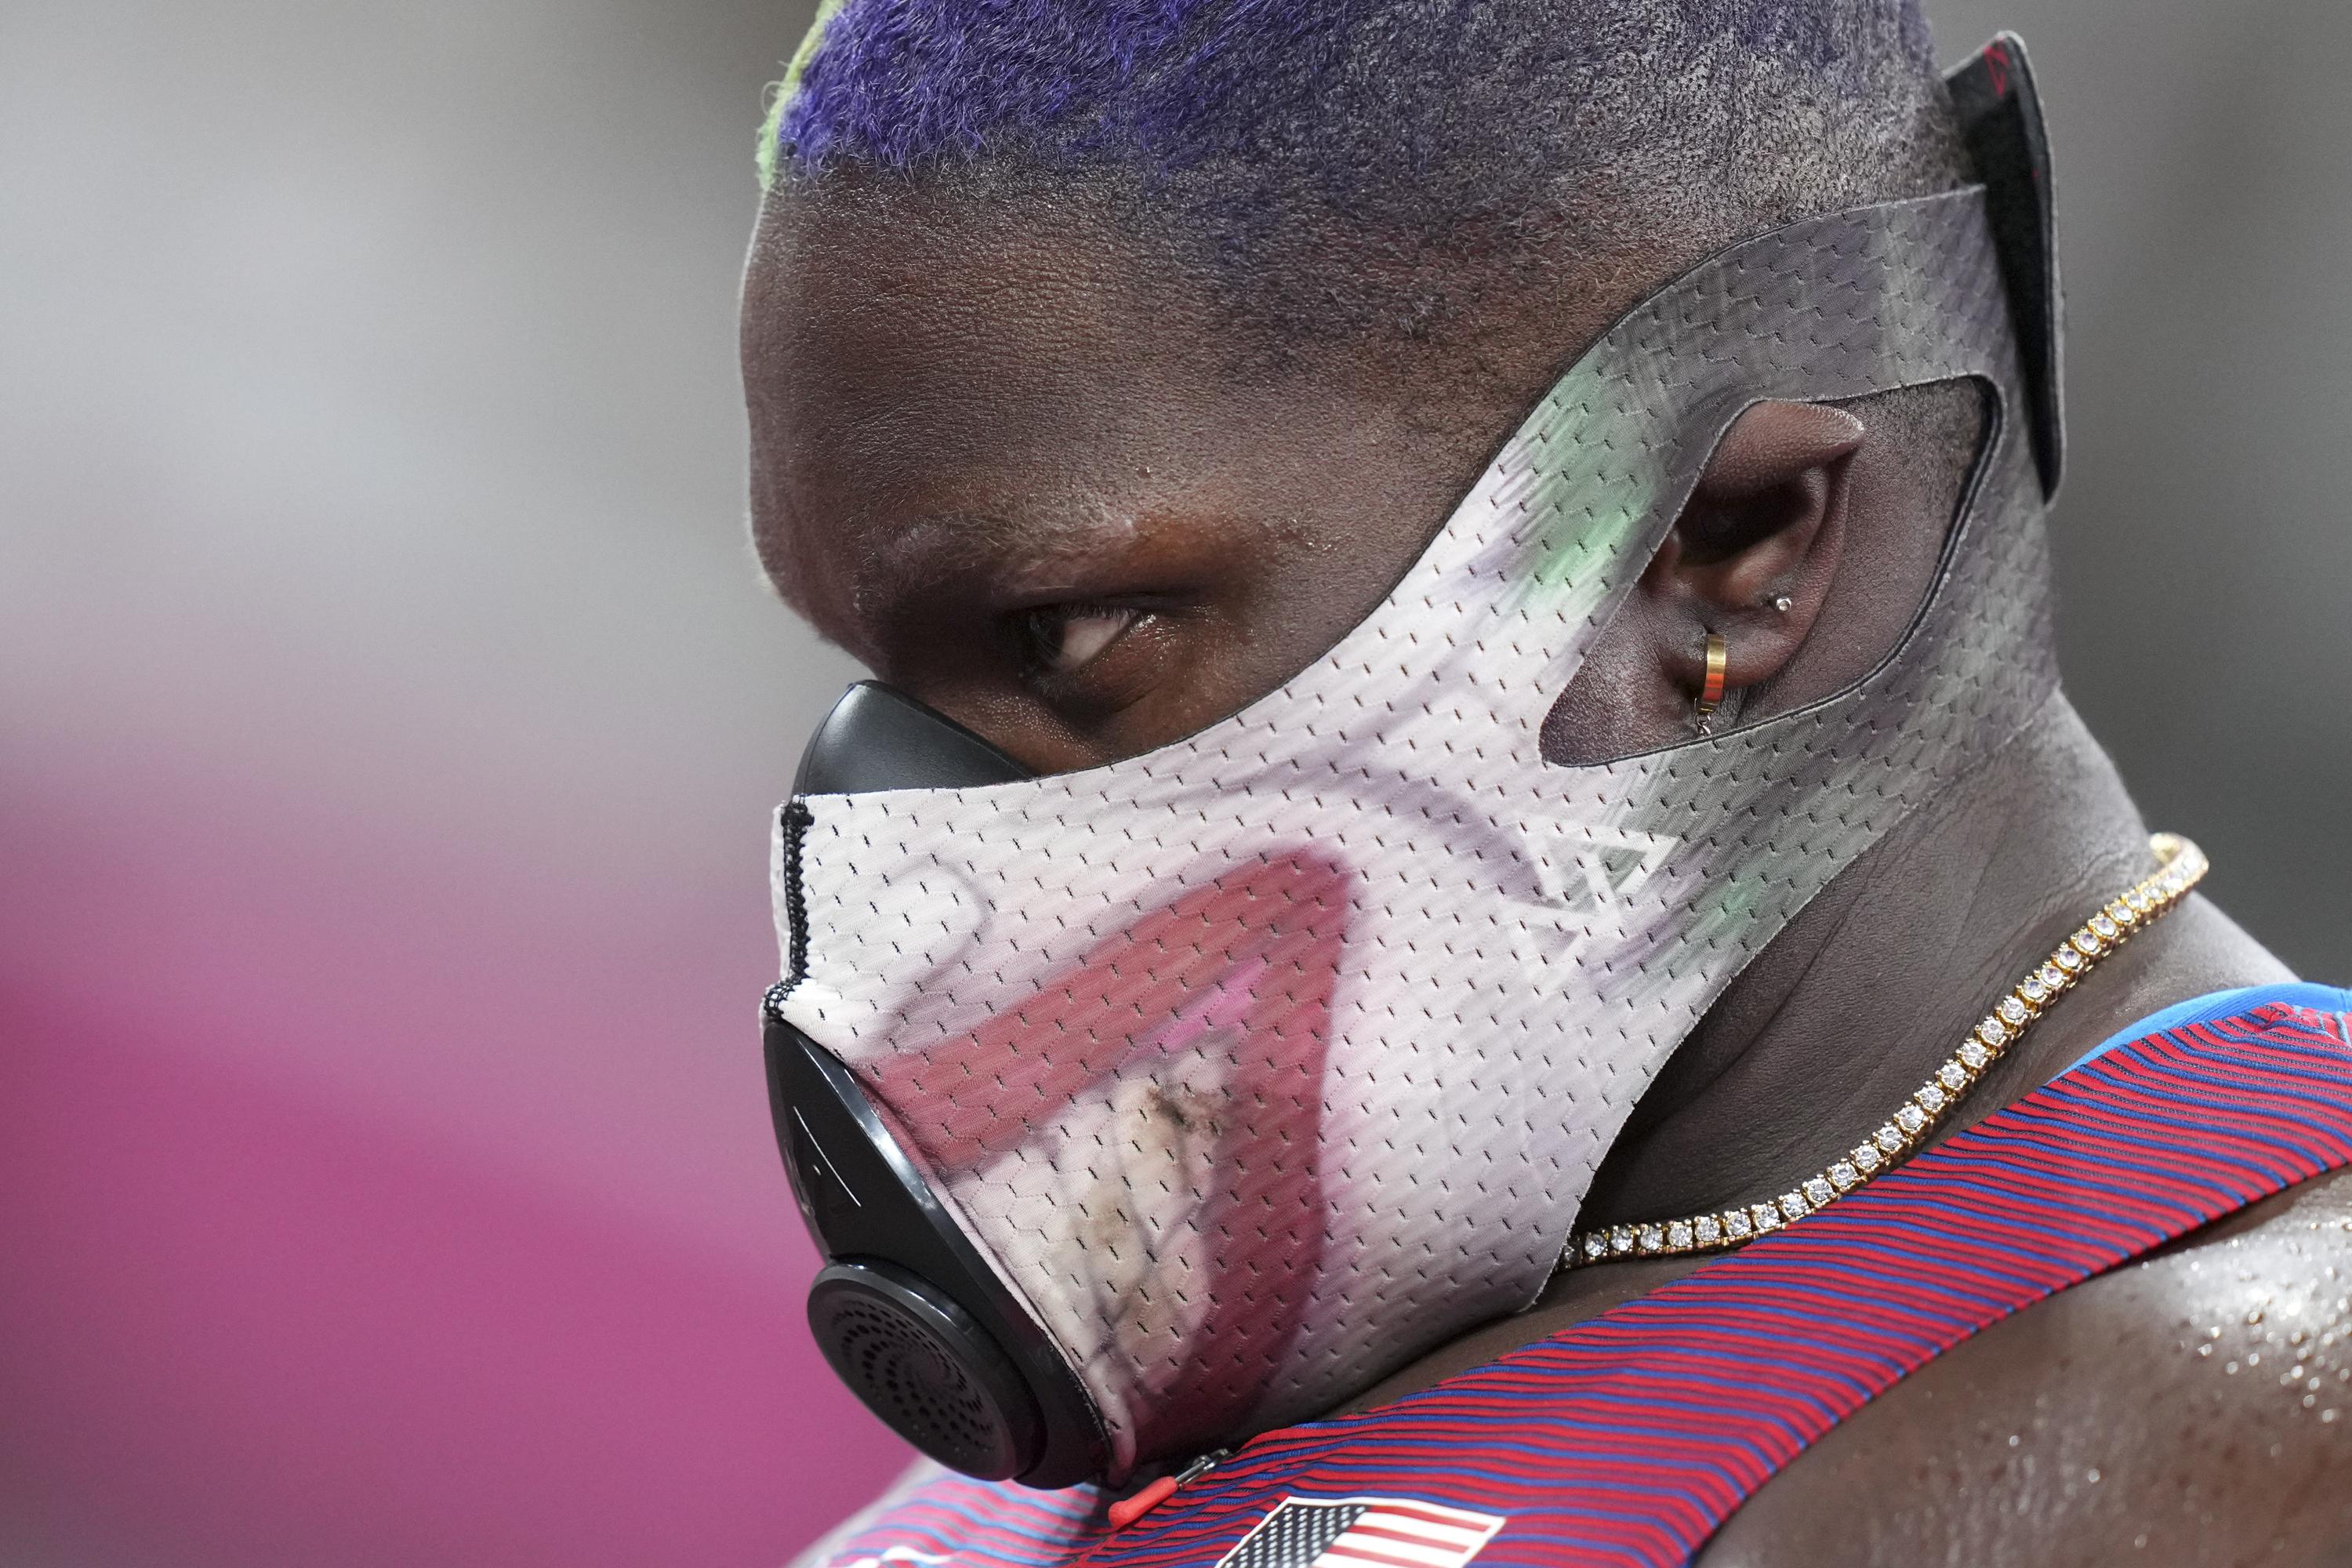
(1364, 1532)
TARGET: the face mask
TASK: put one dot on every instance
(1141, 1109)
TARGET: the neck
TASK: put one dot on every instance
(1873, 985)
(1870, 989)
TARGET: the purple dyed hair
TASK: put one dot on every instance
(1334, 165)
(1149, 84)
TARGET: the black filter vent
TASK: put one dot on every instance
(922, 1365)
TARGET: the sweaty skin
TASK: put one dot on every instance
(1045, 484)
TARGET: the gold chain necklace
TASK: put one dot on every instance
(2181, 866)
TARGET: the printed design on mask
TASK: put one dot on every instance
(1364, 1532)
(1590, 869)
(1155, 1106)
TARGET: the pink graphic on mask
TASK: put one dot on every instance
(1150, 1118)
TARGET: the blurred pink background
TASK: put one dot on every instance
(390, 715)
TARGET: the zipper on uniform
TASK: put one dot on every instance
(1127, 1511)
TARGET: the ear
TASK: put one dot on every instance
(1753, 554)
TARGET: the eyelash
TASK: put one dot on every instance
(1047, 630)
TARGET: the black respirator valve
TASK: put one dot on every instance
(907, 1310)
(919, 1363)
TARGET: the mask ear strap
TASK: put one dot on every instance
(1539, 553)
(2001, 120)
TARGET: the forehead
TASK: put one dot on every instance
(871, 319)
(998, 383)
(940, 383)
(937, 385)
(987, 319)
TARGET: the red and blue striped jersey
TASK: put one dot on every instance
(1630, 1438)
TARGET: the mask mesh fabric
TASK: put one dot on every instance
(1263, 1061)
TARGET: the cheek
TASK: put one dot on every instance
(1621, 702)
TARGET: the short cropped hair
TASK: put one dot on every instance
(1340, 162)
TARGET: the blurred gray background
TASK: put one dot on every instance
(390, 713)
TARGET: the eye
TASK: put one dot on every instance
(1065, 637)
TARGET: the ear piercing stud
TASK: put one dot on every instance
(1784, 604)
(1710, 694)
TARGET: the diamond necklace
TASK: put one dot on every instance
(2181, 866)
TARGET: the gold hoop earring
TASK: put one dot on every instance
(1710, 693)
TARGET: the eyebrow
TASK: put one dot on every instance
(1013, 556)
(952, 543)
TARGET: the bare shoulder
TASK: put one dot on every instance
(2192, 1408)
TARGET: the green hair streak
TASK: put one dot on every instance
(779, 94)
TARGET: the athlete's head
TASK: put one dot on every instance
(1345, 425)
(1107, 360)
